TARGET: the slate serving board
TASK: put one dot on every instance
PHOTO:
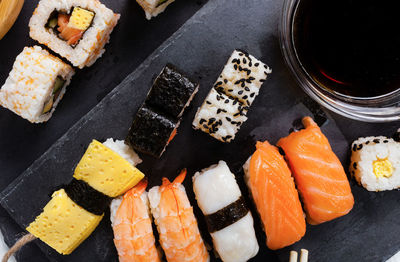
(201, 47)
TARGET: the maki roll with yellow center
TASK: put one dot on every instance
(375, 163)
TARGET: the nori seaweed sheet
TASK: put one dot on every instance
(227, 215)
(171, 91)
(150, 131)
(87, 197)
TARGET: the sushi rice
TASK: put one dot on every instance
(31, 82)
(119, 147)
(90, 46)
(375, 163)
(153, 8)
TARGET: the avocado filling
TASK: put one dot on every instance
(70, 26)
(58, 85)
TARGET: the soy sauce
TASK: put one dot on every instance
(350, 46)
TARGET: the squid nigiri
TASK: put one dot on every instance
(318, 173)
(275, 195)
(131, 223)
(177, 226)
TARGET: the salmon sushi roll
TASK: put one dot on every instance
(319, 175)
(131, 223)
(177, 226)
(274, 193)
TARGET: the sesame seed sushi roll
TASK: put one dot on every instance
(75, 29)
(35, 85)
(176, 224)
(229, 221)
(151, 132)
(242, 77)
(225, 108)
(152, 8)
(375, 163)
(171, 92)
(220, 116)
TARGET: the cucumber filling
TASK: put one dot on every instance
(58, 85)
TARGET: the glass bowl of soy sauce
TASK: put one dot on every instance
(345, 54)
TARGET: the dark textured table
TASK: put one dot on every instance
(133, 40)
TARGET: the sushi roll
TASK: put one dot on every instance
(229, 221)
(375, 163)
(318, 173)
(220, 116)
(131, 223)
(75, 29)
(171, 92)
(277, 201)
(156, 122)
(111, 172)
(177, 226)
(242, 77)
(36, 84)
(153, 8)
(225, 108)
(151, 132)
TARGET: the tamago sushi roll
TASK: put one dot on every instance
(229, 221)
(75, 29)
(375, 163)
(36, 84)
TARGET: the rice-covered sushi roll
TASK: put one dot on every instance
(151, 132)
(153, 8)
(109, 168)
(36, 84)
(229, 221)
(242, 77)
(375, 163)
(220, 116)
(176, 224)
(75, 29)
(225, 108)
(171, 92)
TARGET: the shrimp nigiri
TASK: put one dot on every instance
(131, 222)
(177, 226)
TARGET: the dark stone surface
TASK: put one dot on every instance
(201, 47)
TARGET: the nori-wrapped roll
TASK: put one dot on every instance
(151, 132)
(171, 92)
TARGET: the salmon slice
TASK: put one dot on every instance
(69, 34)
(319, 175)
(275, 195)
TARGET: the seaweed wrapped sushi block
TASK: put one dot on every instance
(229, 221)
(225, 108)
(157, 120)
(35, 85)
(375, 163)
(105, 171)
(152, 8)
(75, 29)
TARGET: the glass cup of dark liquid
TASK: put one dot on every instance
(346, 54)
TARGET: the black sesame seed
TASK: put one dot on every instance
(205, 126)
(257, 64)
(226, 101)
(233, 122)
(240, 92)
(240, 54)
(230, 90)
(252, 94)
(202, 121)
(218, 111)
(355, 147)
(247, 89)
(244, 97)
(236, 114)
(228, 118)
(355, 165)
(243, 84)
(360, 146)
(367, 142)
(235, 66)
(266, 67)
(211, 120)
(250, 64)
(208, 102)
(262, 80)
(385, 141)
(228, 136)
(376, 141)
(225, 81)
(244, 60)
(234, 102)
(237, 82)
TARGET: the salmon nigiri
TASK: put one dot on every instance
(275, 195)
(177, 226)
(319, 175)
(131, 223)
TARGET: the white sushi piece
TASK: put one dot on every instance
(28, 90)
(91, 46)
(125, 151)
(152, 8)
(242, 77)
(375, 163)
(216, 188)
(220, 116)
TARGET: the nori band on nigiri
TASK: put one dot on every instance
(87, 197)
(150, 131)
(171, 92)
(227, 215)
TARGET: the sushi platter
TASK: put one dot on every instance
(199, 150)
